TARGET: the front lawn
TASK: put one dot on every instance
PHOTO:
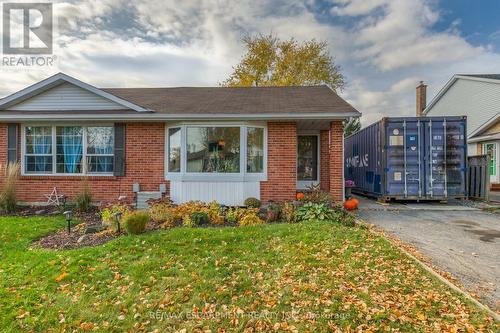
(282, 277)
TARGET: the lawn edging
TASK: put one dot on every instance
(433, 272)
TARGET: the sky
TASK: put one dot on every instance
(384, 47)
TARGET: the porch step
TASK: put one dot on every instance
(143, 197)
(495, 187)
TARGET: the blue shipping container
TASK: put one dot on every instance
(412, 158)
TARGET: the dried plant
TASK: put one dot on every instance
(8, 195)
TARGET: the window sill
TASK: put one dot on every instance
(209, 177)
(69, 177)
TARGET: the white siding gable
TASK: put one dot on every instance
(66, 96)
(478, 100)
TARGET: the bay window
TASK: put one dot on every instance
(68, 150)
(215, 152)
(213, 149)
(174, 149)
(255, 149)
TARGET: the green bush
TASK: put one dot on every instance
(200, 218)
(83, 201)
(8, 195)
(252, 202)
(315, 211)
(135, 222)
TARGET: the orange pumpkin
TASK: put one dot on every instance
(351, 204)
(299, 196)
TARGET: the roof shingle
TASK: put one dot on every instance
(223, 100)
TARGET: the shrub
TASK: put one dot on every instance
(108, 213)
(215, 213)
(314, 194)
(252, 202)
(162, 213)
(199, 218)
(273, 212)
(8, 195)
(250, 219)
(83, 201)
(288, 213)
(315, 211)
(187, 221)
(135, 222)
(234, 215)
(344, 217)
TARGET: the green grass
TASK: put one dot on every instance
(309, 276)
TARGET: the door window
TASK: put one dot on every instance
(307, 158)
(490, 149)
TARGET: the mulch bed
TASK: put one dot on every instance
(61, 240)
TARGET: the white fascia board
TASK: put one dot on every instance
(450, 83)
(57, 79)
(487, 124)
(150, 116)
(440, 94)
(484, 138)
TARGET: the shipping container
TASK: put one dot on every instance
(409, 158)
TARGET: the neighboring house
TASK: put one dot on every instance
(224, 144)
(478, 98)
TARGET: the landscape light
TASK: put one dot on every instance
(68, 214)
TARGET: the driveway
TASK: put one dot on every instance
(462, 240)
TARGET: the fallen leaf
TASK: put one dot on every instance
(61, 277)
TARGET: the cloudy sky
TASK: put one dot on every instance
(384, 47)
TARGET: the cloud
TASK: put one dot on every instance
(384, 47)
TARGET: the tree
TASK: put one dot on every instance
(351, 126)
(269, 61)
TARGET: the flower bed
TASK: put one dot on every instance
(120, 218)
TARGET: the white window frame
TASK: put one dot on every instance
(54, 151)
(243, 175)
(25, 154)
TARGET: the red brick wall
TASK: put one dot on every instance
(324, 174)
(144, 151)
(281, 184)
(336, 160)
(145, 165)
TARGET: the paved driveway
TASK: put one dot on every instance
(461, 240)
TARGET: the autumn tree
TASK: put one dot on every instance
(269, 61)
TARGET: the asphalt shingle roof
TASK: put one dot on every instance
(223, 100)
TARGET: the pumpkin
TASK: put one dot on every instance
(351, 204)
(299, 196)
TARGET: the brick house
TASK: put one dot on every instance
(223, 144)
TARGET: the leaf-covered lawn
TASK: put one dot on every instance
(287, 277)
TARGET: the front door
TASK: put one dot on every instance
(491, 150)
(307, 160)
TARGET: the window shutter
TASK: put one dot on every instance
(12, 138)
(119, 150)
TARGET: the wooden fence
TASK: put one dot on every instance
(478, 177)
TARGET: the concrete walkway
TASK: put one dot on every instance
(464, 241)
